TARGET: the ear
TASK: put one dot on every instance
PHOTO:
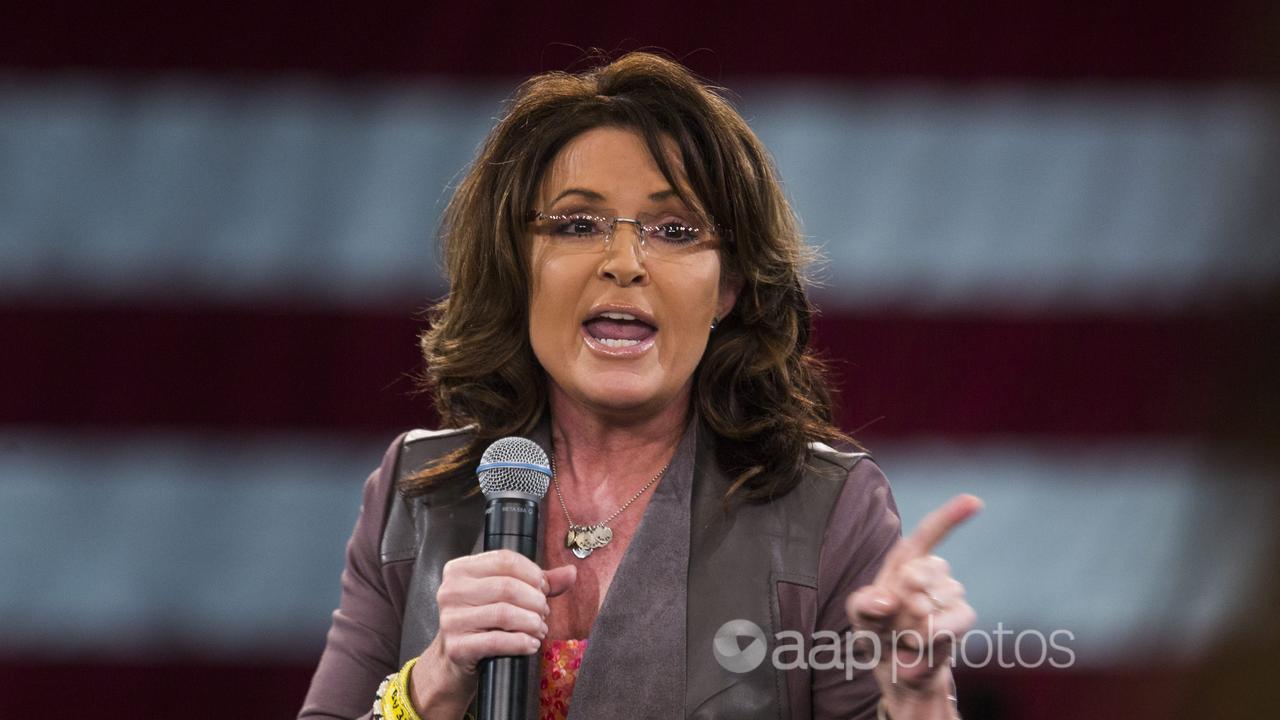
(730, 286)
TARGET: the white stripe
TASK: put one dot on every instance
(159, 543)
(928, 197)
(1035, 197)
(228, 545)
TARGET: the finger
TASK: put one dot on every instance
(919, 605)
(913, 585)
(949, 592)
(497, 562)
(931, 597)
(561, 579)
(490, 590)
(937, 628)
(871, 608)
(937, 565)
(498, 616)
(921, 573)
(952, 623)
(936, 525)
(911, 547)
(467, 650)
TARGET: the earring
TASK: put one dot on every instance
(714, 322)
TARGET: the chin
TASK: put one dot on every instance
(631, 394)
(621, 397)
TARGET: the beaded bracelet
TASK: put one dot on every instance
(377, 697)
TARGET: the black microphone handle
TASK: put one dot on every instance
(509, 524)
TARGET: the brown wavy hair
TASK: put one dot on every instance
(759, 387)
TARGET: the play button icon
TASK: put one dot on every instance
(739, 646)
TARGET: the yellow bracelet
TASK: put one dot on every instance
(396, 703)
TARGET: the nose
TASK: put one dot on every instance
(623, 261)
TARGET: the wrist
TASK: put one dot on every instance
(935, 700)
(437, 687)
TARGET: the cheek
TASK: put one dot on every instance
(692, 304)
(555, 293)
(702, 291)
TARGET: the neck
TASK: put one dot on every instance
(603, 456)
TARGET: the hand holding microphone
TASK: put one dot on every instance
(493, 606)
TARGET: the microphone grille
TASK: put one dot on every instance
(514, 465)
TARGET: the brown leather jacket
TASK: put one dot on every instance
(691, 567)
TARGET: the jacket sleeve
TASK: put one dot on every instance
(363, 643)
(862, 527)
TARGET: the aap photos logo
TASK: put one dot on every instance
(739, 646)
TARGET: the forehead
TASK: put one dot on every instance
(612, 162)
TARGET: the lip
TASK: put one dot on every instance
(619, 352)
(643, 316)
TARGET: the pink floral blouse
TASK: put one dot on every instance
(560, 662)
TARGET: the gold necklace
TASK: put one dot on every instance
(582, 540)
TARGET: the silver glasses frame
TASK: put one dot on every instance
(611, 224)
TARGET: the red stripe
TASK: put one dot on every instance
(195, 691)
(1086, 376)
(1054, 39)
(902, 374)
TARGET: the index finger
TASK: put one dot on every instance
(503, 562)
(938, 524)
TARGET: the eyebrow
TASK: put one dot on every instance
(597, 197)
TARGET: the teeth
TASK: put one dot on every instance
(618, 316)
(617, 343)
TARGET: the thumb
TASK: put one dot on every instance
(872, 608)
(561, 579)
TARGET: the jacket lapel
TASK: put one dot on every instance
(730, 578)
(635, 661)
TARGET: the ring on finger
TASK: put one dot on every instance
(933, 598)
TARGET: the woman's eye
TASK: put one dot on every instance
(676, 233)
(578, 226)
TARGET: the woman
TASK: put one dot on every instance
(626, 292)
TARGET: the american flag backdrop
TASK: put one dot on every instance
(1051, 277)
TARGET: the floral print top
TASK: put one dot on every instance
(560, 662)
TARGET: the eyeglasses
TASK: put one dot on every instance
(662, 234)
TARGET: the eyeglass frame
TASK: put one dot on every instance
(721, 233)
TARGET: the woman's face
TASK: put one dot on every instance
(620, 329)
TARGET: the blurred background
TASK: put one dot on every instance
(1052, 278)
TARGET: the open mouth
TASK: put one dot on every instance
(616, 330)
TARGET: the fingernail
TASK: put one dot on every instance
(881, 602)
(534, 645)
(543, 634)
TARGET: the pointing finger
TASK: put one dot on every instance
(938, 524)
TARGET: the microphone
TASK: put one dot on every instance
(514, 475)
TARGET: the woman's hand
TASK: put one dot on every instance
(917, 611)
(491, 604)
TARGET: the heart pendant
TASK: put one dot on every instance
(581, 552)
